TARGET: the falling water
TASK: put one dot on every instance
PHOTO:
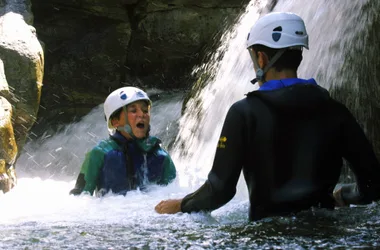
(39, 213)
(200, 126)
(333, 27)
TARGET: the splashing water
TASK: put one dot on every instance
(38, 213)
(200, 126)
(332, 36)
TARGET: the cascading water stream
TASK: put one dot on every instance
(332, 36)
(200, 126)
(39, 213)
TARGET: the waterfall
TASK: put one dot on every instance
(40, 214)
(334, 29)
(333, 37)
(202, 122)
(59, 155)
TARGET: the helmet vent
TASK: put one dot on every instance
(123, 96)
(276, 35)
(300, 33)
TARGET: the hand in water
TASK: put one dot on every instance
(169, 206)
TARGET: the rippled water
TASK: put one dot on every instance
(39, 214)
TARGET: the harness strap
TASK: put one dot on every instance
(261, 72)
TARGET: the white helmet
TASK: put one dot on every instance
(120, 98)
(279, 30)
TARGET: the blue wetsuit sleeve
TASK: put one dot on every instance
(220, 187)
(358, 151)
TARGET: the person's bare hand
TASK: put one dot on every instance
(169, 206)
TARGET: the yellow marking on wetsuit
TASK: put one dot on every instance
(222, 141)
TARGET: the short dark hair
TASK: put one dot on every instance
(291, 59)
(116, 114)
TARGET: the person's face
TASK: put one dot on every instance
(138, 117)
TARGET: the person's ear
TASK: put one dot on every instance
(115, 122)
(262, 59)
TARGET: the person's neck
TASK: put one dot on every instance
(273, 74)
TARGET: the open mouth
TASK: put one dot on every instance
(140, 125)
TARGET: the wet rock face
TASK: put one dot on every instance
(360, 75)
(8, 147)
(22, 57)
(21, 75)
(7, 177)
(95, 46)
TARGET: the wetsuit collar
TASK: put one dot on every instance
(279, 84)
(146, 144)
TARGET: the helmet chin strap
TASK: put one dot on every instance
(260, 73)
(126, 128)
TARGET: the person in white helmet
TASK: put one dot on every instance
(289, 137)
(130, 158)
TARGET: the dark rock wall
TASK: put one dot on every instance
(94, 46)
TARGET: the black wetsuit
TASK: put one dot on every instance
(289, 142)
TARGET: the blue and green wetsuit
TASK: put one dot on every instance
(120, 165)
